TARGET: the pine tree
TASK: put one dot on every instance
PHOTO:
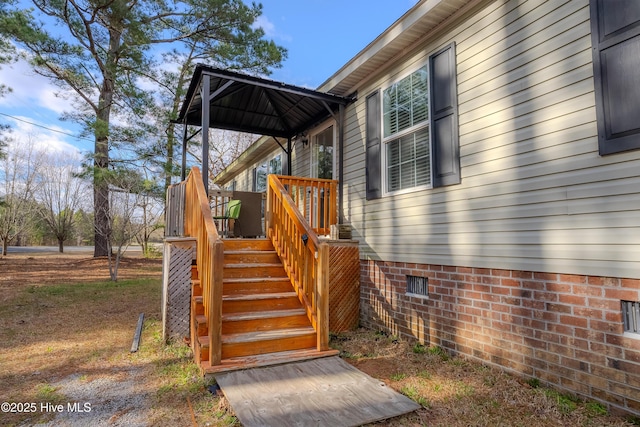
(101, 51)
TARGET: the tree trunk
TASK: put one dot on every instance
(5, 246)
(101, 201)
(101, 156)
(61, 245)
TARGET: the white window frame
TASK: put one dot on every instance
(313, 161)
(410, 130)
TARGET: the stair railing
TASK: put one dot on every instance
(304, 257)
(209, 257)
(315, 198)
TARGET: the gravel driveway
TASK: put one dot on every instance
(112, 399)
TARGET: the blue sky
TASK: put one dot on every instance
(320, 35)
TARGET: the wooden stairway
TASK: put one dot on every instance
(263, 321)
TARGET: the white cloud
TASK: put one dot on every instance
(264, 23)
(43, 139)
(30, 90)
(270, 29)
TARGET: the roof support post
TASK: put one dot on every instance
(340, 164)
(206, 91)
(289, 150)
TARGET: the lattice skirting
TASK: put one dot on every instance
(176, 289)
(344, 286)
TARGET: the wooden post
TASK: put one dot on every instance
(322, 297)
(215, 312)
(205, 95)
(268, 214)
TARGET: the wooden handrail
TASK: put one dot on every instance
(305, 258)
(315, 198)
(198, 223)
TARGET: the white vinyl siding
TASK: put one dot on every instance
(535, 194)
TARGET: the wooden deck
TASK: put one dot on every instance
(261, 301)
(320, 392)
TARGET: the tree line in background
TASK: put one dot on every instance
(125, 66)
(44, 201)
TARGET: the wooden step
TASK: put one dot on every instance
(260, 302)
(247, 245)
(232, 271)
(251, 257)
(196, 289)
(262, 342)
(197, 301)
(201, 324)
(203, 346)
(256, 285)
(235, 323)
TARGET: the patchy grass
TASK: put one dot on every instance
(62, 321)
(457, 392)
(181, 392)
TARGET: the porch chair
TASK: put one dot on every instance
(232, 212)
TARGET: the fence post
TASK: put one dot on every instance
(215, 311)
(322, 297)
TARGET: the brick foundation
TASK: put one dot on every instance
(565, 330)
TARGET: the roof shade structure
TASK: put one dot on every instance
(229, 100)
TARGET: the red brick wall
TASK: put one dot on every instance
(565, 330)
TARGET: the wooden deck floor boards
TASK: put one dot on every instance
(321, 392)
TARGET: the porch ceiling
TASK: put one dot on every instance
(255, 105)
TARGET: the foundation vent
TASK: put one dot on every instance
(418, 286)
(631, 316)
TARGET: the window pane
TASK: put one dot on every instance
(322, 166)
(423, 163)
(390, 107)
(406, 103)
(408, 163)
(275, 165)
(420, 99)
(261, 177)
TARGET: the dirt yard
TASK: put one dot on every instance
(65, 360)
(65, 337)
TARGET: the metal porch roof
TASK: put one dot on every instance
(255, 105)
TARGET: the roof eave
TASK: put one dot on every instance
(390, 44)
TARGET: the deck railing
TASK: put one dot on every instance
(316, 200)
(198, 223)
(305, 259)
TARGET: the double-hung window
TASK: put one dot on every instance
(412, 130)
(405, 117)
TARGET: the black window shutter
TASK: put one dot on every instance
(373, 161)
(615, 37)
(445, 151)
